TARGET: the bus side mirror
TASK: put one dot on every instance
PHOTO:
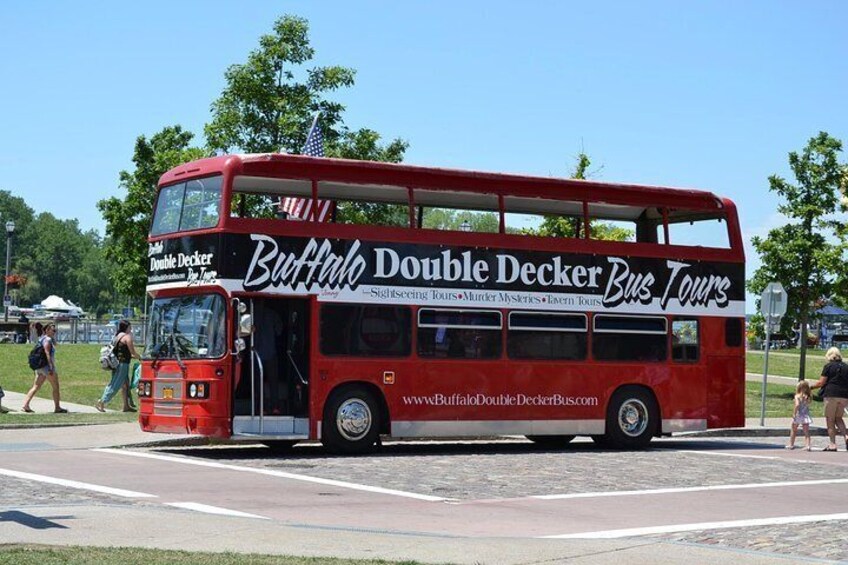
(245, 325)
(240, 345)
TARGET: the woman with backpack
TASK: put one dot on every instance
(124, 349)
(47, 372)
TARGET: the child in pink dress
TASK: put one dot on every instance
(801, 415)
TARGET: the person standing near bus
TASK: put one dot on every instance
(46, 338)
(834, 385)
(801, 415)
(125, 352)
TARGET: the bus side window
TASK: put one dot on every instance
(629, 338)
(733, 332)
(365, 331)
(542, 335)
(459, 334)
(684, 340)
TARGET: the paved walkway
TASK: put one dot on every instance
(14, 401)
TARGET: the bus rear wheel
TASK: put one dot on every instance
(351, 421)
(632, 419)
(551, 442)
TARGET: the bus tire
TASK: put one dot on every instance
(632, 418)
(351, 421)
(551, 442)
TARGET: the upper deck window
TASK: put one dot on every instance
(698, 231)
(190, 205)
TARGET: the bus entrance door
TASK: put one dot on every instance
(271, 392)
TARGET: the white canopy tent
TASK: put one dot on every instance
(55, 303)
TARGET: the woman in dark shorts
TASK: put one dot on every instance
(834, 385)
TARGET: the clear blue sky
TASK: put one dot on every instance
(709, 95)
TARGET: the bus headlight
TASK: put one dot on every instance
(144, 389)
(198, 390)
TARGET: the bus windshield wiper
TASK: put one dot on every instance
(157, 355)
(176, 347)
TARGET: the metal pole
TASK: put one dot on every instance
(6, 290)
(765, 362)
(144, 321)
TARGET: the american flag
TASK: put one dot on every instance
(300, 208)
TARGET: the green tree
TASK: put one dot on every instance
(363, 145)
(559, 226)
(56, 250)
(55, 257)
(806, 254)
(91, 281)
(269, 102)
(15, 209)
(128, 219)
(447, 219)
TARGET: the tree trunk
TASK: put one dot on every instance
(805, 314)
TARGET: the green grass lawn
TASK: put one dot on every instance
(779, 402)
(786, 362)
(17, 554)
(81, 381)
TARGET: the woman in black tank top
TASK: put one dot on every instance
(834, 385)
(124, 350)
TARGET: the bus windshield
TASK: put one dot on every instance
(190, 205)
(187, 327)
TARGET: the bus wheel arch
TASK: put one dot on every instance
(354, 416)
(632, 418)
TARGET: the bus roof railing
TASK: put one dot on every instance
(389, 183)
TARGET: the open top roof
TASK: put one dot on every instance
(345, 179)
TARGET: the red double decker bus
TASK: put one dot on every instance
(386, 316)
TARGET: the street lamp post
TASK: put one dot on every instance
(10, 229)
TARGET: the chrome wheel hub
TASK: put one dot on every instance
(353, 419)
(633, 417)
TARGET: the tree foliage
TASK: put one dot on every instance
(563, 226)
(128, 219)
(54, 256)
(267, 105)
(807, 254)
(269, 101)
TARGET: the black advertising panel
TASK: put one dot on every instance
(440, 275)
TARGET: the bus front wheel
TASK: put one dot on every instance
(351, 421)
(632, 419)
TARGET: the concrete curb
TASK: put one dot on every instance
(751, 432)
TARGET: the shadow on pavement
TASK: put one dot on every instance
(313, 450)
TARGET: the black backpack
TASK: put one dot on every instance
(38, 357)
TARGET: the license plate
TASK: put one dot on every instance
(168, 392)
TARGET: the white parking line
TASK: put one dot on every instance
(673, 528)
(281, 474)
(720, 454)
(689, 489)
(213, 510)
(75, 484)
